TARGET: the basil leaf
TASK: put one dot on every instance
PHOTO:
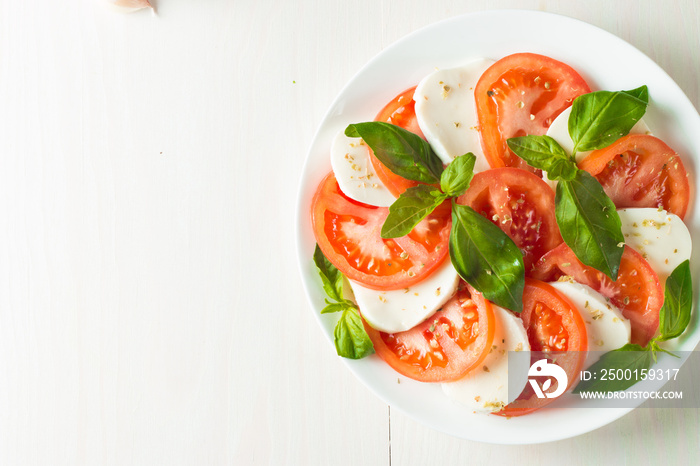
(487, 258)
(331, 277)
(412, 206)
(403, 152)
(351, 339)
(654, 347)
(589, 223)
(338, 307)
(631, 356)
(545, 153)
(458, 174)
(600, 118)
(641, 93)
(678, 302)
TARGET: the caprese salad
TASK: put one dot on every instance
(503, 206)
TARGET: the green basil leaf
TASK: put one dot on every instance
(545, 153)
(589, 223)
(631, 356)
(487, 258)
(336, 307)
(641, 93)
(600, 118)
(403, 152)
(351, 339)
(412, 206)
(678, 302)
(458, 174)
(331, 277)
(654, 347)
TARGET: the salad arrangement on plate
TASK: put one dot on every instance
(504, 206)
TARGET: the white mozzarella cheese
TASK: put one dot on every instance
(355, 174)
(446, 111)
(606, 327)
(485, 389)
(659, 236)
(398, 310)
(559, 131)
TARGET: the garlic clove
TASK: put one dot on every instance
(129, 6)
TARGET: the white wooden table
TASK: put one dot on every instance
(150, 306)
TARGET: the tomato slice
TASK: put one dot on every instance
(348, 233)
(553, 325)
(640, 170)
(522, 94)
(400, 112)
(444, 347)
(637, 291)
(521, 204)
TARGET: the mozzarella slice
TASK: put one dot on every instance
(559, 131)
(659, 236)
(606, 327)
(446, 111)
(398, 310)
(355, 174)
(485, 389)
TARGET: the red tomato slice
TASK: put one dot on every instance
(444, 347)
(348, 233)
(636, 292)
(521, 204)
(640, 170)
(553, 324)
(400, 112)
(522, 94)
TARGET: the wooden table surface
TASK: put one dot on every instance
(151, 310)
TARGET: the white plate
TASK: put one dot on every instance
(606, 62)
